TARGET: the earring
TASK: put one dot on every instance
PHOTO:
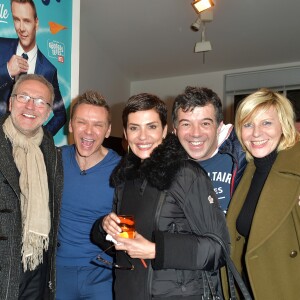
(128, 149)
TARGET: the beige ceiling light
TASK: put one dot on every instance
(204, 45)
(203, 18)
(197, 24)
(201, 5)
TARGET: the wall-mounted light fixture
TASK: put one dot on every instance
(205, 16)
(197, 24)
(203, 45)
(201, 5)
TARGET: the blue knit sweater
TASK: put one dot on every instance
(85, 199)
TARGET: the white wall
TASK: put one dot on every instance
(75, 49)
(168, 88)
(98, 72)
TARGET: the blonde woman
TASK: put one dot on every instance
(264, 214)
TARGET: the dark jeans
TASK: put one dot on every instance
(33, 283)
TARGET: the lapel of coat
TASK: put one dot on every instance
(39, 63)
(277, 199)
(10, 48)
(7, 165)
(15, 45)
(239, 197)
(47, 147)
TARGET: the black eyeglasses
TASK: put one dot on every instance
(38, 102)
(99, 258)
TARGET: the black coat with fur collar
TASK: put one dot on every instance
(177, 192)
(159, 170)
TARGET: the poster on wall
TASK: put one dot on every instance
(40, 32)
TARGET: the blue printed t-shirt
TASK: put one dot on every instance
(85, 199)
(219, 169)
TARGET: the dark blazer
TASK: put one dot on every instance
(8, 47)
(10, 216)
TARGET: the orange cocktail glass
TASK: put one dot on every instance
(127, 225)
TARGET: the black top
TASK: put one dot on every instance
(263, 167)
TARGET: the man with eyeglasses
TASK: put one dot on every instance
(20, 56)
(38, 102)
(31, 179)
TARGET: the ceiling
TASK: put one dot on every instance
(151, 39)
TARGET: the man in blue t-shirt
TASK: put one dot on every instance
(198, 122)
(86, 196)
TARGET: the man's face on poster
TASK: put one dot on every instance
(26, 24)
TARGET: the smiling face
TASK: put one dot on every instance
(144, 132)
(197, 131)
(26, 117)
(261, 135)
(25, 24)
(90, 125)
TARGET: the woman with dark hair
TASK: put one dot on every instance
(174, 204)
(264, 214)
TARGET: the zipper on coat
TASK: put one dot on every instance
(11, 252)
(161, 200)
(51, 280)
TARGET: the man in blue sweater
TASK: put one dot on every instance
(86, 196)
(198, 122)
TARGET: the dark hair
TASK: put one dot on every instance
(145, 101)
(92, 98)
(26, 1)
(194, 97)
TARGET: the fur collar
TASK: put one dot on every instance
(159, 169)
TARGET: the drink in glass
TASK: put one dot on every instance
(127, 225)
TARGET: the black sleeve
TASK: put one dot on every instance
(195, 195)
(98, 237)
(186, 252)
(98, 234)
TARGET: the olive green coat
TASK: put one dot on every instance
(272, 255)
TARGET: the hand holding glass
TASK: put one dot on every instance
(127, 224)
(128, 231)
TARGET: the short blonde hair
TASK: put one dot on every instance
(90, 97)
(259, 102)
